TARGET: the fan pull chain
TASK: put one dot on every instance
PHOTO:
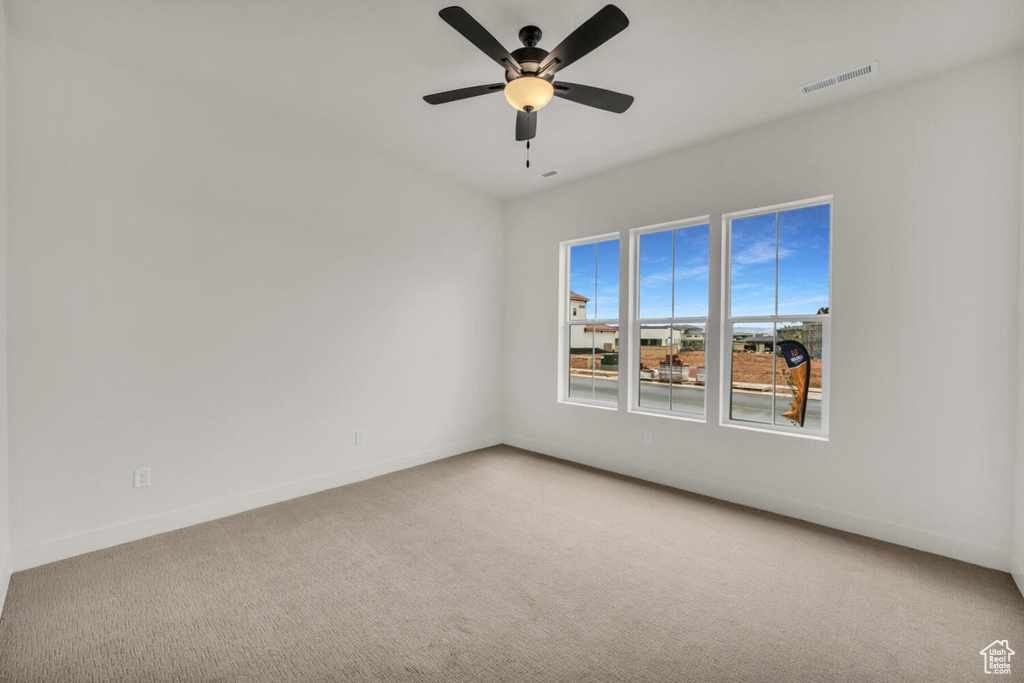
(527, 154)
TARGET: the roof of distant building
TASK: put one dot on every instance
(577, 297)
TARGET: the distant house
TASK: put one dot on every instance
(684, 337)
(606, 337)
(577, 306)
(658, 336)
(692, 338)
(753, 343)
(582, 338)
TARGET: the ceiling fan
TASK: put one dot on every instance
(530, 70)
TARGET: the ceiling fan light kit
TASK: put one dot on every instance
(529, 93)
(530, 70)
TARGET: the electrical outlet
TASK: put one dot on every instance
(648, 438)
(141, 477)
(360, 437)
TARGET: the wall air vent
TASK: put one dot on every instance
(542, 176)
(859, 72)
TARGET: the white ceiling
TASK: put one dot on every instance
(698, 68)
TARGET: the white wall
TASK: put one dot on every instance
(5, 486)
(225, 299)
(926, 241)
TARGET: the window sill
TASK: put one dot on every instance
(589, 404)
(768, 430)
(672, 416)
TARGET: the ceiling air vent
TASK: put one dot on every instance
(859, 72)
(542, 176)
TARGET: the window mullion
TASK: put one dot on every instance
(776, 263)
(593, 336)
(775, 345)
(671, 325)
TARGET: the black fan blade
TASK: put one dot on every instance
(609, 100)
(460, 20)
(595, 31)
(526, 125)
(463, 93)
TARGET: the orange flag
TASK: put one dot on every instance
(799, 363)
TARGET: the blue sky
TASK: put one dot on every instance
(803, 250)
(802, 259)
(690, 275)
(601, 288)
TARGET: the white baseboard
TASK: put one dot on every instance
(919, 539)
(5, 582)
(36, 554)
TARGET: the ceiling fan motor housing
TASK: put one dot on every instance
(529, 59)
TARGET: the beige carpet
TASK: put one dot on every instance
(500, 565)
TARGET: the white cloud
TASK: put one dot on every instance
(696, 272)
(819, 300)
(759, 252)
(656, 279)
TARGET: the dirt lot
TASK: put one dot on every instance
(653, 356)
(755, 368)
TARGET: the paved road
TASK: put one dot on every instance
(750, 407)
(757, 408)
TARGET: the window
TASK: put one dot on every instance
(591, 342)
(671, 322)
(778, 287)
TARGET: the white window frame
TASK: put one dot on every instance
(564, 322)
(635, 322)
(728, 321)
